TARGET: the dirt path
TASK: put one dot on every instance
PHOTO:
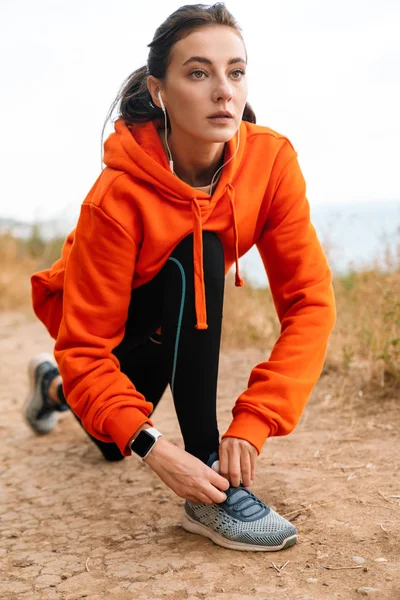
(73, 526)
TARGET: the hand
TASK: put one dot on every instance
(185, 474)
(237, 461)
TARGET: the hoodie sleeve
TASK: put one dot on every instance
(301, 286)
(97, 291)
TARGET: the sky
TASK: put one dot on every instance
(325, 74)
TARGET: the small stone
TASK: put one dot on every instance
(140, 536)
(287, 501)
(380, 560)
(121, 538)
(311, 580)
(365, 591)
(300, 517)
(358, 559)
(44, 581)
(325, 583)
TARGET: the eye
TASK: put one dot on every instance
(197, 72)
(239, 72)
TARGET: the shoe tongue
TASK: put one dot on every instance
(213, 461)
(215, 466)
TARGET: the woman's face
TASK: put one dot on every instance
(206, 75)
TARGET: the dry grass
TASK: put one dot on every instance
(364, 347)
(15, 267)
(18, 260)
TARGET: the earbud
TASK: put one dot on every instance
(171, 162)
(161, 101)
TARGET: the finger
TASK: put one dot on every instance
(220, 482)
(223, 461)
(245, 467)
(199, 497)
(253, 467)
(204, 497)
(234, 466)
(215, 495)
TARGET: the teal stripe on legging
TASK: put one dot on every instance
(178, 329)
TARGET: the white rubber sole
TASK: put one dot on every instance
(193, 526)
(32, 402)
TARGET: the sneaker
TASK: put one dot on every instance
(241, 522)
(39, 410)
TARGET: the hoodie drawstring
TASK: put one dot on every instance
(238, 280)
(199, 284)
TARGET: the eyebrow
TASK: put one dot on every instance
(207, 61)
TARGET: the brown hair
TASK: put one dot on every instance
(135, 101)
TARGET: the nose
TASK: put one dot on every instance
(222, 91)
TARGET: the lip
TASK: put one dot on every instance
(221, 114)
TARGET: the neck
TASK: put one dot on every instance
(194, 163)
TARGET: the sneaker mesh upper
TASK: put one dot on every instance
(269, 530)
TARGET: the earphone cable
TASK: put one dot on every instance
(171, 162)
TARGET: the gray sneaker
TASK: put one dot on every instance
(39, 410)
(242, 522)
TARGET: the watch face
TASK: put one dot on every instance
(143, 443)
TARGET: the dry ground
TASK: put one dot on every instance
(73, 526)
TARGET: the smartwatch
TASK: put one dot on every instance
(144, 442)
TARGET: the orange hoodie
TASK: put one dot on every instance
(134, 216)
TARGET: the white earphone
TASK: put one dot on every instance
(161, 101)
(171, 162)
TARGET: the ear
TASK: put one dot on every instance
(154, 86)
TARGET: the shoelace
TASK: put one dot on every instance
(244, 503)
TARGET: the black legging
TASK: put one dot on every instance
(184, 357)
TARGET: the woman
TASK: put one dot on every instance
(135, 302)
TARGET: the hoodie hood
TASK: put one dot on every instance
(137, 150)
